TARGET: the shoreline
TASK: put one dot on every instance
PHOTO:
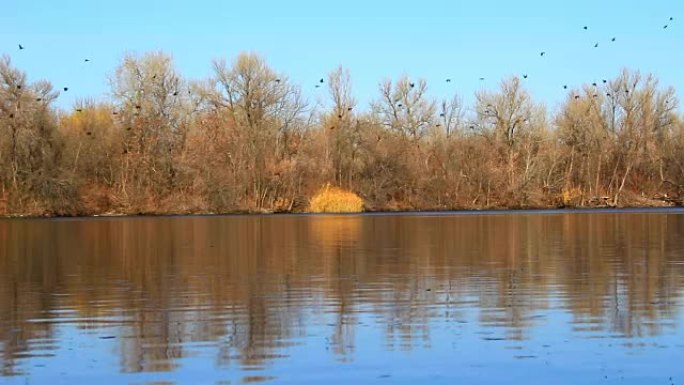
(459, 212)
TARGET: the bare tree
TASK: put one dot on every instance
(451, 115)
(404, 108)
(268, 110)
(150, 99)
(342, 127)
(29, 142)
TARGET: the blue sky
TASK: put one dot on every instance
(431, 39)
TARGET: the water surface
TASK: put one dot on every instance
(535, 298)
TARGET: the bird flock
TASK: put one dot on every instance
(542, 54)
(65, 89)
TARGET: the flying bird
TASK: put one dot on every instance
(277, 80)
(86, 60)
(349, 108)
(79, 110)
(317, 85)
(596, 45)
(565, 87)
(18, 86)
(604, 81)
(448, 80)
(577, 97)
(671, 18)
(586, 28)
(21, 47)
(482, 78)
(412, 85)
(613, 39)
(593, 84)
(542, 53)
(321, 81)
(524, 76)
(665, 26)
(66, 89)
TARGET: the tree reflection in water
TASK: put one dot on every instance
(252, 286)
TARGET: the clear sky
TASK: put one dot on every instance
(431, 39)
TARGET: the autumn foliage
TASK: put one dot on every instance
(248, 140)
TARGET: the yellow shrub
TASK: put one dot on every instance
(335, 200)
(570, 196)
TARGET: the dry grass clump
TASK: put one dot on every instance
(331, 199)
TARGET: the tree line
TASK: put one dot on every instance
(246, 139)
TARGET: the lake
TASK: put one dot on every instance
(478, 298)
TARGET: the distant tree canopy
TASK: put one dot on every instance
(246, 139)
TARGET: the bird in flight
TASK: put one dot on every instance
(565, 86)
(448, 80)
(482, 78)
(277, 80)
(524, 76)
(671, 18)
(586, 28)
(321, 81)
(596, 45)
(613, 39)
(21, 47)
(542, 53)
(66, 89)
(86, 60)
(412, 85)
(665, 26)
